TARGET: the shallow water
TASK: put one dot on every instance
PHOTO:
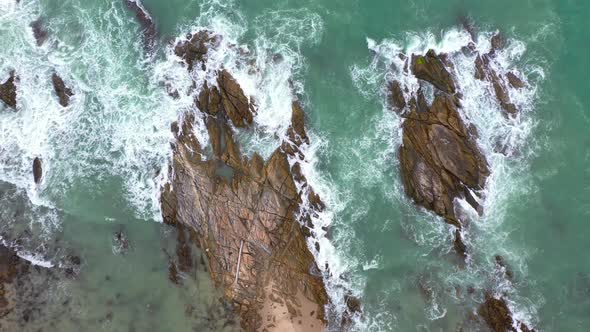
(103, 155)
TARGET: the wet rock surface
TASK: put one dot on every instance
(146, 22)
(439, 159)
(37, 170)
(61, 90)
(431, 68)
(497, 315)
(243, 209)
(8, 90)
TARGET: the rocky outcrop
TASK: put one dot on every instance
(243, 209)
(497, 315)
(61, 90)
(430, 68)
(439, 158)
(39, 31)
(146, 22)
(8, 91)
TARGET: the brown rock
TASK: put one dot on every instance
(497, 315)
(39, 32)
(196, 47)
(514, 80)
(430, 68)
(439, 159)
(245, 221)
(498, 42)
(37, 170)
(235, 103)
(8, 91)
(484, 72)
(61, 90)
(396, 96)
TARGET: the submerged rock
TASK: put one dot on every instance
(497, 315)
(37, 170)
(484, 72)
(8, 91)
(243, 209)
(148, 25)
(39, 31)
(61, 90)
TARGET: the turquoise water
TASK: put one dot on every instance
(102, 156)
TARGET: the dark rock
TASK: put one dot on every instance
(467, 24)
(497, 315)
(39, 32)
(439, 159)
(37, 170)
(236, 104)
(8, 91)
(514, 80)
(430, 68)
(196, 47)
(148, 25)
(498, 42)
(396, 96)
(484, 72)
(61, 90)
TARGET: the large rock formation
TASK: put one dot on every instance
(8, 91)
(439, 158)
(243, 209)
(497, 315)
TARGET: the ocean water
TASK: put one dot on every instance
(103, 156)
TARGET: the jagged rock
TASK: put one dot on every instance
(37, 170)
(439, 159)
(242, 209)
(236, 104)
(195, 48)
(484, 72)
(498, 42)
(39, 32)
(514, 80)
(8, 91)
(497, 315)
(396, 96)
(431, 68)
(148, 25)
(61, 90)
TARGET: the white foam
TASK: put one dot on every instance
(35, 259)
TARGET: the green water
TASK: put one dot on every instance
(104, 151)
